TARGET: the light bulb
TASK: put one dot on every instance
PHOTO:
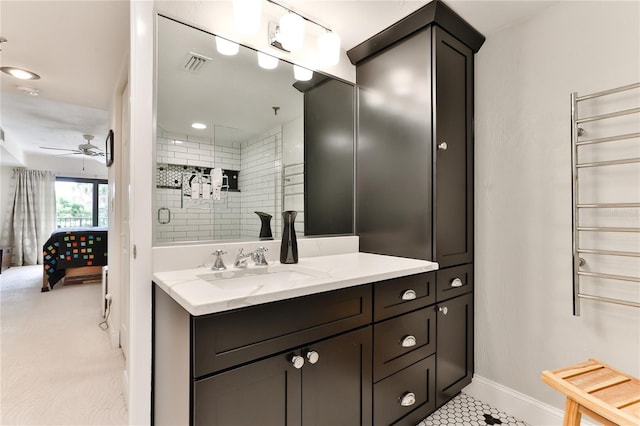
(302, 74)
(329, 48)
(247, 15)
(226, 47)
(199, 126)
(267, 62)
(292, 32)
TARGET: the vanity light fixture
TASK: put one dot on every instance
(267, 62)
(292, 31)
(329, 48)
(20, 73)
(247, 15)
(199, 126)
(302, 74)
(288, 35)
(226, 47)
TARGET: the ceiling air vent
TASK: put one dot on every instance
(195, 62)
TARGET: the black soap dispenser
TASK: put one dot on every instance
(265, 226)
(289, 245)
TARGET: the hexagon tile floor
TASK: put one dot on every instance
(467, 411)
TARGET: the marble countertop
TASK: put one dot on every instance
(202, 291)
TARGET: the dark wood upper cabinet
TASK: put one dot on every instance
(414, 169)
(329, 158)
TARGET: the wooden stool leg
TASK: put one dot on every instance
(572, 413)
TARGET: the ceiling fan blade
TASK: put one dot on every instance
(59, 149)
(64, 155)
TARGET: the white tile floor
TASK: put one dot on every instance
(464, 410)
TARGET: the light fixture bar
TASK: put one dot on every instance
(303, 17)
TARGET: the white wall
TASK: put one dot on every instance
(523, 276)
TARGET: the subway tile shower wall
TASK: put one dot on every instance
(258, 160)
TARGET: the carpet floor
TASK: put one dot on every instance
(57, 366)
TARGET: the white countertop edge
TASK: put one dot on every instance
(173, 282)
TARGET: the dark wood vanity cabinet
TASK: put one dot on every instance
(414, 183)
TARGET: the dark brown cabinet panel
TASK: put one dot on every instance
(262, 393)
(455, 346)
(453, 142)
(406, 397)
(235, 337)
(335, 390)
(455, 281)
(402, 341)
(328, 158)
(400, 295)
(393, 202)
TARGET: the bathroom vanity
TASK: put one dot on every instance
(341, 340)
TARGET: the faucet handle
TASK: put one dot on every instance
(218, 263)
(259, 257)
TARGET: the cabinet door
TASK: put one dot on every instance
(336, 390)
(453, 150)
(454, 343)
(262, 393)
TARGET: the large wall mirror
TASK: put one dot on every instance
(271, 143)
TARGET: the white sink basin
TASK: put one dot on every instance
(259, 276)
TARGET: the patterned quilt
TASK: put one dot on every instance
(73, 248)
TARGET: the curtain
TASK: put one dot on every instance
(32, 215)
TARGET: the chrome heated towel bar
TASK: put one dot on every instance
(581, 138)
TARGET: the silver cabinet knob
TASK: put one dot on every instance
(409, 295)
(443, 309)
(408, 341)
(443, 145)
(313, 357)
(457, 282)
(297, 361)
(407, 399)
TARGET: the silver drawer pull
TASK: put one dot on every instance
(408, 341)
(456, 282)
(297, 361)
(443, 309)
(409, 295)
(408, 399)
(443, 145)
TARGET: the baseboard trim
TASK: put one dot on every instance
(516, 404)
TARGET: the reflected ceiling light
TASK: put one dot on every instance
(226, 47)
(267, 62)
(20, 73)
(292, 31)
(302, 74)
(329, 48)
(199, 126)
(247, 15)
(29, 91)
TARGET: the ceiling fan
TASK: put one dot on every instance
(84, 149)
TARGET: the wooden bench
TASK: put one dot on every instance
(598, 391)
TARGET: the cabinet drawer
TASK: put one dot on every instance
(452, 282)
(403, 340)
(235, 337)
(417, 379)
(404, 294)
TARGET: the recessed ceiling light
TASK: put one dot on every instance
(20, 73)
(199, 126)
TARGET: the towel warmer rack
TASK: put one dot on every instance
(293, 186)
(576, 143)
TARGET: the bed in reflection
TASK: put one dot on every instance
(75, 254)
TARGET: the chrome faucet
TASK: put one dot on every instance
(256, 256)
(218, 263)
